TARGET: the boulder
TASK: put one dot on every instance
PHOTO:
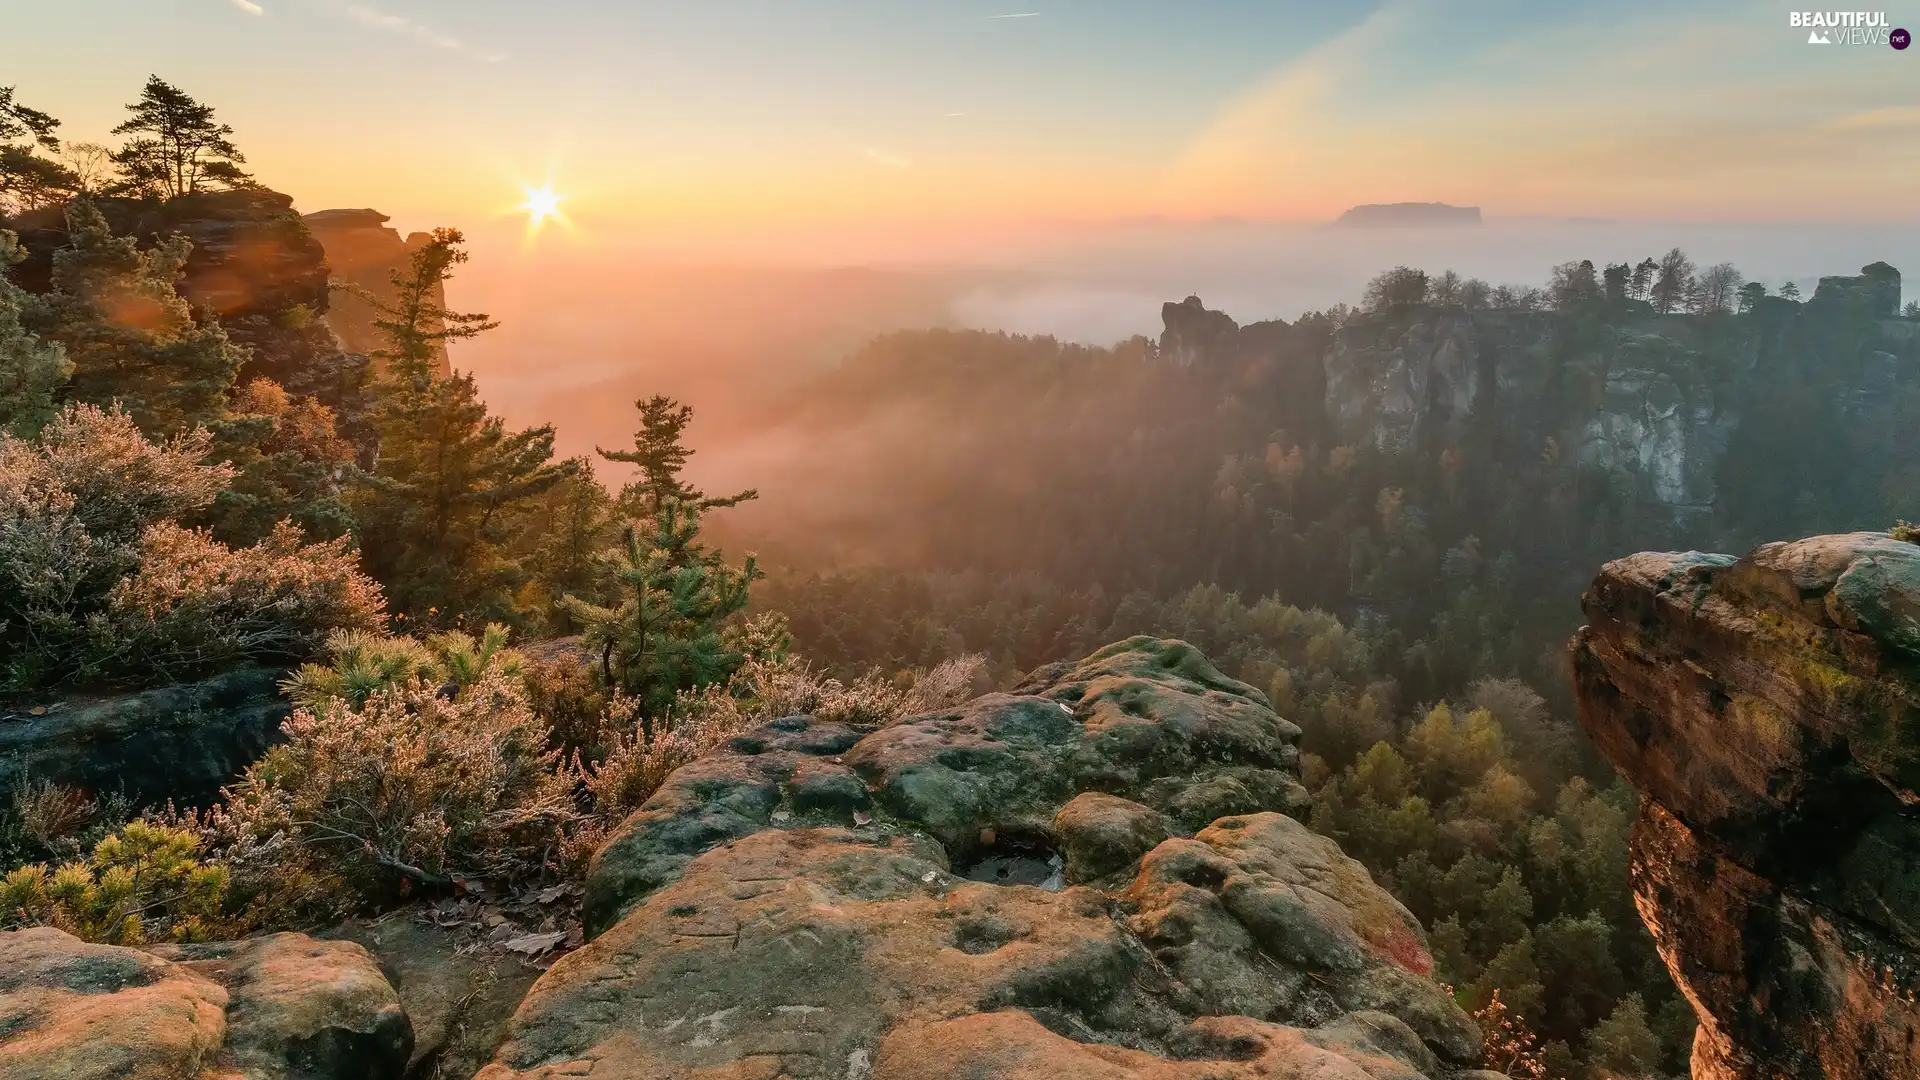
(179, 742)
(1099, 834)
(821, 900)
(458, 996)
(284, 1007)
(1766, 708)
(299, 1008)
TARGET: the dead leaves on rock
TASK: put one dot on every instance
(538, 925)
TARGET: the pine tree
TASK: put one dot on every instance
(667, 600)
(129, 335)
(31, 370)
(659, 457)
(416, 324)
(178, 149)
(28, 179)
(1624, 1043)
(450, 482)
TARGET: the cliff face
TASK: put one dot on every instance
(1768, 709)
(364, 253)
(254, 265)
(1655, 404)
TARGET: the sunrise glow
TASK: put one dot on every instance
(542, 203)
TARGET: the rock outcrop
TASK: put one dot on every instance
(1768, 709)
(254, 265)
(364, 253)
(179, 742)
(281, 1007)
(1093, 875)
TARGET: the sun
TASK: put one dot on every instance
(542, 203)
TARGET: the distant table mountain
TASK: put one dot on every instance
(1410, 213)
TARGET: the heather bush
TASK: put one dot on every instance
(195, 605)
(950, 683)
(413, 789)
(145, 881)
(99, 583)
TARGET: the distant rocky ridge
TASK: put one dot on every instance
(1653, 402)
(1768, 709)
(1387, 215)
(363, 254)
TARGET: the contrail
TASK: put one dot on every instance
(1016, 15)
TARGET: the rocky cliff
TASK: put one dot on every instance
(1768, 709)
(255, 266)
(363, 254)
(1654, 404)
(1100, 873)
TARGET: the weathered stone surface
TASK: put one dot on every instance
(1146, 719)
(73, 1011)
(284, 1007)
(806, 903)
(1100, 834)
(301, 1008)
(179, 742)
(1767, 708)
(458, 997)
(803, 952)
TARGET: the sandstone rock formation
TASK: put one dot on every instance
(820, 900)
(1768, 708)
(282, 1007)
(362, 252)
(179, 742)
(254, 265)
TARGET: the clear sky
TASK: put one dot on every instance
(724, 119)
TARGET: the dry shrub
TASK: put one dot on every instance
(636, 766)
(196, 605)
(950, 684)
(411, 790)
(51, 814)
(1508, 1046)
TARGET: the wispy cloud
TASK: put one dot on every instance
(400, 24)
(1016, 15)
(249, 7)
(891, 161)
(1395, 109)
(1895, 116)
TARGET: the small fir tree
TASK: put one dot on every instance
(666, 600)
(659, 456)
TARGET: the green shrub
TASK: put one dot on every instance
(1907, 531)
(361, 662)
(144, 882)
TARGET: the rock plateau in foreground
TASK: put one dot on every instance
(1093, 876)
